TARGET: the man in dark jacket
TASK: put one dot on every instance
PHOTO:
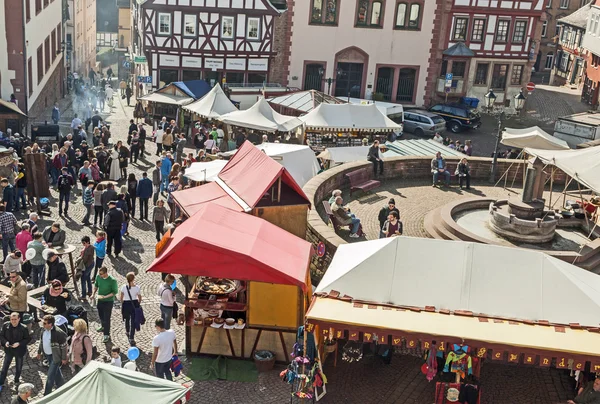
(374, 158)
(385, 212)
(132, 127)
(65, 183)
(156, 181)
(113, 222)
(53, 346)
(56, 269)
(109, 194)
(144, 192)
(14, 338)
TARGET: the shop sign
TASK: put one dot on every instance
(498, 355)
(353, 335)
(425, 345)
(213, 64)
(513, 357)
(411, 343)
(139, 59)
(562, 363)
(235, 64)
(310, 327)
(529, 359)
(261, 65)
(168, 60)
(595, 366)
(442, 346)
(191, 61)
(396, 340)
(545, 361)
(481, 352)
(339, 334)
(367, 337)
(578, 364)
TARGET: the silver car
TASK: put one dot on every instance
(423, 123)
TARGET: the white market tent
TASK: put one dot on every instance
(483, 281)
(533, 137)
(205, 170)
(101, 383)
(582, 164)
(387, 108)
(262, 117)
(165, 98)
(299, 160)
(339, 155)
(214, 104)
(349, 117)
(419, 147)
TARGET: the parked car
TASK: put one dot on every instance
(458, 117)
(423, 123)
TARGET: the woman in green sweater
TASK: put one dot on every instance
(107, 288)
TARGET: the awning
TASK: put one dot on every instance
(344, 154)
(12, 107)
(532, 137)
(166, 98)
(261, 117)
(219, 242)
(581, 164)
(419, 147)
(101, 383)
(349, 117)
(192, 199)
(212, 105)
(205, 170)
(387, 108)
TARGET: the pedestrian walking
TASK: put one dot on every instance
(65, 184)
(100, 249)
(81, 349)
(113, 221)
(98, 206)
(23, 238)
(88, 202)
(87, 257)
(106, 287)
(128, 94)
(132, 184)
(109, 194)
(7, 230)
(8, 194)
(115, 169)
(14, 338)
(144, 192)
(53, 346)
(21, 186)
(165, 346)
(156, 181)
(131, 298)
(24, 391)
(55, 113)
(17, 297)
(167, 300)
(160, 214)
(38, 263)
(134, 142)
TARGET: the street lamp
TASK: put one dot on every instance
(519, 101)
(490, 100)
(329, 81)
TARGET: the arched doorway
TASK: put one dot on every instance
(406, 85)
(351, 64)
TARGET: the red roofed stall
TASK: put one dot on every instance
(270, 269)
(252, 182)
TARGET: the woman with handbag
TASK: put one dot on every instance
(131, 310)
(87, 264)
(81, 349)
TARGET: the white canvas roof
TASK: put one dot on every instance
(532, 137)
(214, 104)
(581, 164)
(349, 117)
(304, 101)
(205, 170)
(166, 98)
(262, 117)
(387, 108)
(455, 275)
(101, 383)
(345, 154)
(300, 161)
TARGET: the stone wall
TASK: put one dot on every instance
(52, 92)
(320, 187)
(282, 44)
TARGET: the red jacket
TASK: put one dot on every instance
(59, 162)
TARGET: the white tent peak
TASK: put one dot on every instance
(349, 117)
(261, 116)
(532, 137)
(214, 104)
(485, 279)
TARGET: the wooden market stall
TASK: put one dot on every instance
(343, 125)
(251, 282)
(11, 117)
(254, 183)
(464, 305)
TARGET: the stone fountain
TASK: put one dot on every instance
(525, 220)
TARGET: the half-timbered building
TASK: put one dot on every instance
(487, 44)
(216, 40)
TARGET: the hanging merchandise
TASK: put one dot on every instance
(429, 368)
(352, 351)
(459, 361)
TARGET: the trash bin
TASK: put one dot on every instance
(469, 101)
(264, 360)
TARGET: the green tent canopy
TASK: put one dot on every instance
(102, 383)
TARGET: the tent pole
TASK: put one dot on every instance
(505, 175)
(279, 190)
(584, 213)
(551, 186)
(567, 183)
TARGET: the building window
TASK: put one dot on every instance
(29, 76)
(253, 29)
(412, 11)
(27, 10)
(564, 3)
(564, 61)
(481, 74)
(257, 78)
(444, 68)
(460, 29)
(517, 75)
(549, 61)
(40, 64)
(53, 44)
(164, 24)
(520, 29)
(499, 77)
(549, 4)
(401, 15)
(458, 69)
(369, 13)
(502, 30)
(59, 37)
(234, 77)
(189, 25)
(324, 12)
(557, 30)
(47, 53)
(478, 29)
(544, 29)
(46, 2)
(38, 6)
(414, 17)
(227, 27)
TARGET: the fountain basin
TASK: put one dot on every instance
(522, 222)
